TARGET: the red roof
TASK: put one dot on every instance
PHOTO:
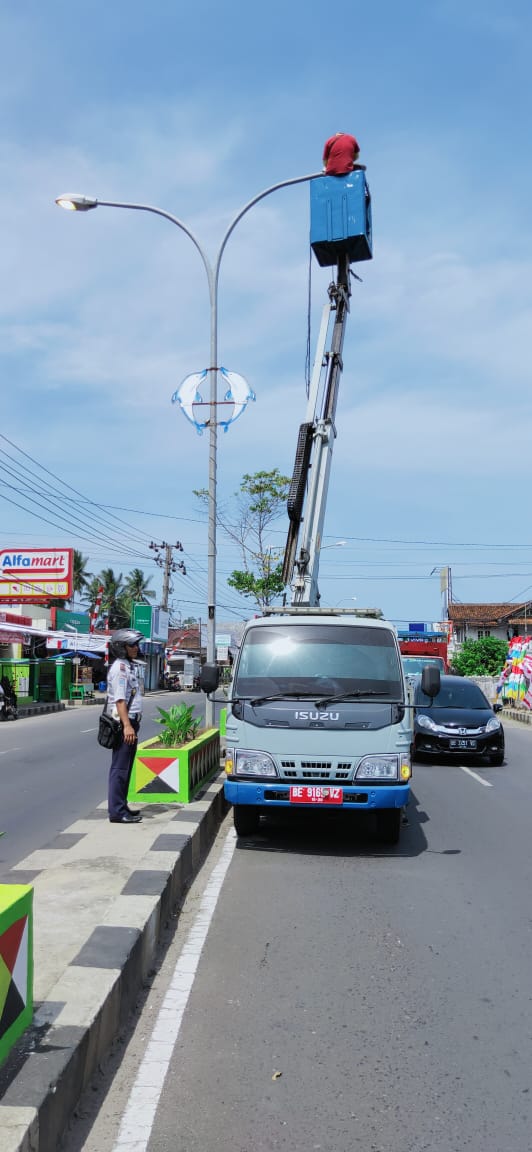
(487, 613)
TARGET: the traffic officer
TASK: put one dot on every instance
(124, 702)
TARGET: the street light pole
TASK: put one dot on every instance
(76, 202)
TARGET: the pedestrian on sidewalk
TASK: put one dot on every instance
(340, 154)
(124, 703)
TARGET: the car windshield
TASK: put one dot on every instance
(453, 694)
(325, 659)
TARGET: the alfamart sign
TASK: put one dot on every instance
(31, 575)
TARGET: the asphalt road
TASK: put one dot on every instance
(53, 771)
(349, 997)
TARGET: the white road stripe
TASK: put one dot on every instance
(475, 776)
(88, 729)
(8, 750)
(137, 1121)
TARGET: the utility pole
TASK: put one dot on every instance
(164, 558)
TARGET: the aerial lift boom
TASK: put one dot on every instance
(310, 480)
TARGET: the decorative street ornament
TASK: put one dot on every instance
(190, 398)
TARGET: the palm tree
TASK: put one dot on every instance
(93, 588)
(137, 587)
(80, 577)
(113, 600)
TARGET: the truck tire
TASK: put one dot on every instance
(246, 818)
(389, 825)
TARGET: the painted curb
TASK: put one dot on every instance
(54, 1063)
(39, 709)
(521, 714)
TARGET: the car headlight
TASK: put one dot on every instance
(378, 768)
(424, 721)
(493, 725)
(245, 763)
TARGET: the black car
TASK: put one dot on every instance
(458, 721)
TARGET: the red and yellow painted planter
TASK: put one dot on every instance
(16, 963)
(173, 775)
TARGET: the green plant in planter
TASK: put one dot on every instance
(179, 725)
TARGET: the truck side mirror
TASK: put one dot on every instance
(430, 680)
(209, 678)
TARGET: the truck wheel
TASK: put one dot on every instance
(389, 825)
(246, 818)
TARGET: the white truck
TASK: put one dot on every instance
(316, 717)
(317, 712)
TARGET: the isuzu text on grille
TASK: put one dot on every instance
(317, 715)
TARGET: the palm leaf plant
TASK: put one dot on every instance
(179, 725)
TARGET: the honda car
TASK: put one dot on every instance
(457, 721)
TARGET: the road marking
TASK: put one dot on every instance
(475, 776)
(137, 1120)
(88, 729)
(8, 750)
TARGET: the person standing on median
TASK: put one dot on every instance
(124, 703)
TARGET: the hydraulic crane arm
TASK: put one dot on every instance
(310, 479)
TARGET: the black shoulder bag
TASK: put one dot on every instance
(109, 729)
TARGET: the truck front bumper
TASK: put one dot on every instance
(277, 794)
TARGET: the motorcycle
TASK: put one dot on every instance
(8, 709)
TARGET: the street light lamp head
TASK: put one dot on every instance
(74, 202)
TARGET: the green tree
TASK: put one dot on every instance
(484, 657)
(260, 500)
(114, 602)
(137, 587)
(92, 591)
(80, 578)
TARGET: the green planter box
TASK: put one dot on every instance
(173, 775)
(16, 963)
(223, 721)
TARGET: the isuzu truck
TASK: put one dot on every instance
(316, 717)
(317, 714)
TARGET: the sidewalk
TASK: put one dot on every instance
(102, 896)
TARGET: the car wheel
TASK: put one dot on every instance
(246, 818)
(497, 759)
(389, 825)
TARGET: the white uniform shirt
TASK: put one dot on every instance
(123, 684)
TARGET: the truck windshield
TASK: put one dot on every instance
(325, 659)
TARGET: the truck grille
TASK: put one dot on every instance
(315, 770)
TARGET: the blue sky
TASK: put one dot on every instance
(195, 109)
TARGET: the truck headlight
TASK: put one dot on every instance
(378, 768)
(245, 763)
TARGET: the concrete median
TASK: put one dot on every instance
(102, 896)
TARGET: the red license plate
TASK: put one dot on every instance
(315, 794)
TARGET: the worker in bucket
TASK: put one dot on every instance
(340, 155)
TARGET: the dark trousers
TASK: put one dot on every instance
(119, 774)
